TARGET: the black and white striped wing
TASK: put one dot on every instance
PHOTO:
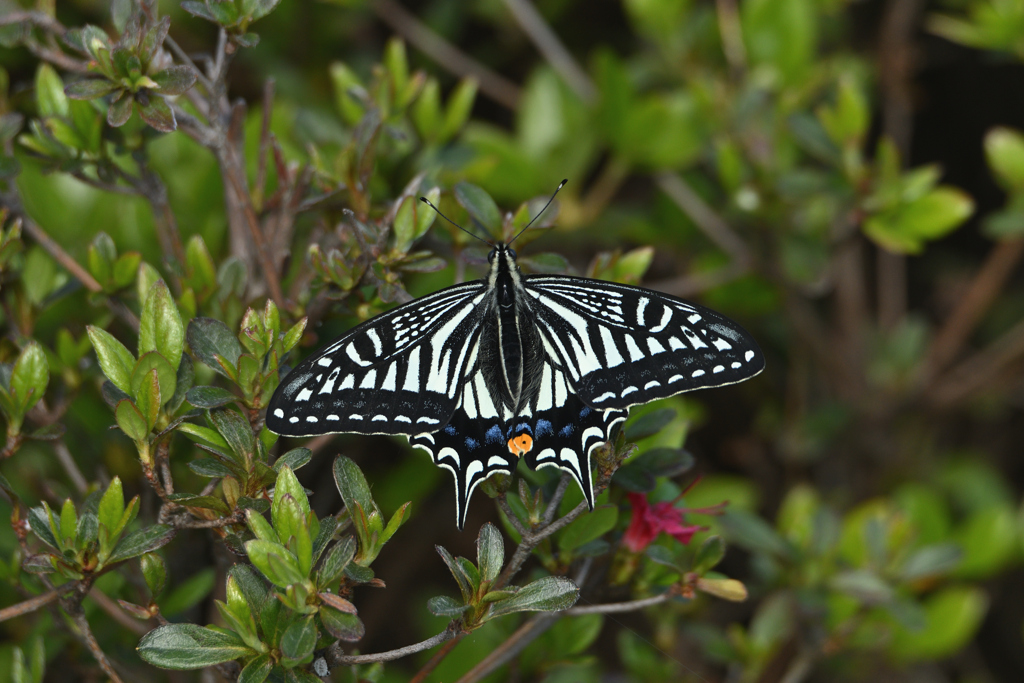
(398, 373)
(622, 346)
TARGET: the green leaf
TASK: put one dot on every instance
(29, 377)
(299, 639)
(480, 206)
(1004, 149)
(147, 397)
(640, 474)
(490, 552)
(460, 104)
(294, 459)
(649, 424)
(209, 338)
(90, 88)
(209, 397)
(183, 647)
(347, 627)
(160, 327)
(931, 560)
(166, 374)
(336, 561)
(465, 581)
(203, 502)
(753, 533)
(156, 113)
(131, 421)
(257, 670)
(352, 485)
(710, 553)
(588, 526)
(205, 434)
(549, 594)
(39, 522)
(120, 109)
(111, 505)
(50, 97)
(174, 80)
(154, 571)
(952, 617)
(261, 527)
(236, 432)
(189, 593)
(283, 571)
(443, 606)
(116, 361)
(142, 541)
(906, 228)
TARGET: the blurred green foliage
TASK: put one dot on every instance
(159, 272)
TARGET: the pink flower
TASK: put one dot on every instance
(649, 521)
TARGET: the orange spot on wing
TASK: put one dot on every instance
(520, 445)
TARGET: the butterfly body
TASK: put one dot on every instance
(538, 367)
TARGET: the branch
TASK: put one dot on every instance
(57, 252)
(703, 216)
(404, 23)
(983, 290)
(731, 31)
(548, 44)
(335, 657)
(531, 629)
(981, 370)
(70, 467)
(32, 604)
(616, 607)
(90, 640)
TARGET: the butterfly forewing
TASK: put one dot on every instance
(622, 346)
(398, 373)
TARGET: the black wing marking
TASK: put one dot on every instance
(622, 346)
(398, 373)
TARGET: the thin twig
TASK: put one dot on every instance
(511, 516)
(115, 612)
(261, 159)
(335, 657)
(32, 604)
(731, 31)
(983, 290)
(67, 461)
(616, 607)
(548, 44)
(89, 639)
(980, 371)
(266, 260)
(404, 23)
(556, 498)
(58, 253)
(703, 216)
(531, 629)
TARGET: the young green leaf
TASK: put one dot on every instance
(160, 327)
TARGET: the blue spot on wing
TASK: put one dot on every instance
(544, 428)
(567, 430)
(493, 435)
(471, 443)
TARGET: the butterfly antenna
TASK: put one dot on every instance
(427, 202)
(541, 213)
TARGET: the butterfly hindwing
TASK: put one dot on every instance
(623, 346)
(398, 373)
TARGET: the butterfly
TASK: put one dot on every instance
(510, 367)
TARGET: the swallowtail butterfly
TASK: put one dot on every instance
(541, 367)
